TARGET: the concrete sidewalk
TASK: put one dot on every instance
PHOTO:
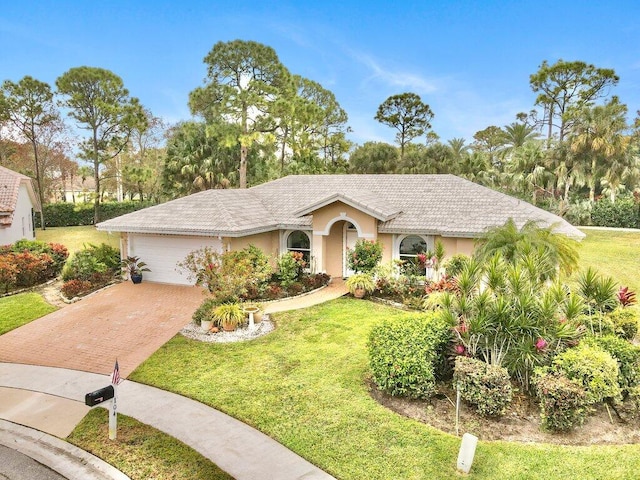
(242, 451)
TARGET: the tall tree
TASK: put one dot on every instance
(374, 157)
(406, 113)
(490, 140)
(564, 86)
(29, 107)
(98, 102)
(244, 82)
(598, 137)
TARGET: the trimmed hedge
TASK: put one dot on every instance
(485, 387)
(623, 213)
(404, 355)
(66, 214)
(593, 368)
(562, 401)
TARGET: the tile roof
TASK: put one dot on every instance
(429, 204)
(9, 188)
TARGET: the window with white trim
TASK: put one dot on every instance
(298, 241)
(411, 246)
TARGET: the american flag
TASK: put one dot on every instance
(115, 378)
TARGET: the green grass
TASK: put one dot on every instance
(613, 253)
(17, 310)
(305, 386)
(141, 451)
(74, 238)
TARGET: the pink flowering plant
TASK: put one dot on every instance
(504, 315)
(364, 257)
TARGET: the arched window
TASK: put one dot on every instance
(410, 246)
(298, 241)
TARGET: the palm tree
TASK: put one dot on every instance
(513, 243)
(598, 138)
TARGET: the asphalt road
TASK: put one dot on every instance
(16, 466)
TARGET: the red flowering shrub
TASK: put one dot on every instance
(74, 288)
(32, 268)
(626, 297)
(8, 273)
(445, 284)
(365, 256)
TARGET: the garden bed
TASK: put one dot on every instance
(521, 422)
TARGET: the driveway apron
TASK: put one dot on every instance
(125, 321)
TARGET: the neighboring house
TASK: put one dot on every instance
(18, 201)
(73, 190)
(322, 216)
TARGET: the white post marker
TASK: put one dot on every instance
(113, 415)
(113, 412)
(467, 452)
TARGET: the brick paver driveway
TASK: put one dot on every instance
(126, 321)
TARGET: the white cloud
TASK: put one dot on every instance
(401, 79)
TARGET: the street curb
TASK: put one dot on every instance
(66, 459)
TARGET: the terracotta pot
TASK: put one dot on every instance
(359, 293)
(229, 327)
(257, 317)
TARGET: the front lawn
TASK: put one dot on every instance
(613, 253)
(305, 386)
(140, 451)
(74, 238)
(20, 309)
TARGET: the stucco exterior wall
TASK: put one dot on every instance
(22, 224)
(367, 225)
(268, 242)
(386, 239)
(453, 246)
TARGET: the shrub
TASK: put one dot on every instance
(405, 355)
(66, 214)
(290, 268)
(205, 310)
(75, 288)
(621, 213)
(486, 387)
(562, 401)
(598, 324)
(8, 272)
(365, 256)
(591, 367)
(32, 268)
(95, 264)
(627, 356)
(454, 264)
(625, 322)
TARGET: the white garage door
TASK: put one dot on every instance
(161, 253)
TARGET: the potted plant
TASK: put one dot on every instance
(134, 268)
(228, 316)
(360, 284)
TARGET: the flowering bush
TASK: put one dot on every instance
(626, 297)
(8, 273)
(365, 256)
(291, 266)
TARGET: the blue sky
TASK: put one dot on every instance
(469, 60)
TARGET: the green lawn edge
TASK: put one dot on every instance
(140, 451)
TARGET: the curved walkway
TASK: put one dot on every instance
(240, 450)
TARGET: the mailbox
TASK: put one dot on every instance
(99, 396)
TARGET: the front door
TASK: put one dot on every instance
(349, 243)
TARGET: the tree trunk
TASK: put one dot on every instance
(592, 186)
(243, 166)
